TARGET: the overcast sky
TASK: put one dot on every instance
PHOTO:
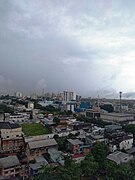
(87, 46)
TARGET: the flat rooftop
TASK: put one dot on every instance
(117, 114)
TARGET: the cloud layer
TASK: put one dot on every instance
(87, 46)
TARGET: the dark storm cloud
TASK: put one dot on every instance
(57, 45)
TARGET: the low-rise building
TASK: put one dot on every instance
(17, 118)
(92, 113)
(119, 143)
(78, 157)
(56, 156)
(75, 146)
(11, 137)
(35, 167)
(39, 147)
(9, 166)
(125, 142)
(117, 117)
(119, 157)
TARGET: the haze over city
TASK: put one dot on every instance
(85, 46)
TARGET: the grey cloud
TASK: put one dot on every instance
(60, 45)
(129, 95)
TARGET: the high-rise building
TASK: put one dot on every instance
(69, 96)
(34, 96)
(18, 95)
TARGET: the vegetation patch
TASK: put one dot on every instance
(34, 129)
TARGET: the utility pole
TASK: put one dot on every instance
(120, 100)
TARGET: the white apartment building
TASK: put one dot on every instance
(18, 94)
(68, 96)
(30, 105)
(17, 118)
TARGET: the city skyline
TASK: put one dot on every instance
(84, 46)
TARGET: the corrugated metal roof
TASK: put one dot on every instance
(42, 143)
(75, 141)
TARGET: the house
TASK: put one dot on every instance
(35, 167)
(56, 156)
(39, 147)
(119, 157)
(11, 137)
(122, 142)
(47, 122)
(113, 128)
(112, 146)
(9, 166)
(97, 134)
(75, 146)
(78, 157)
(125, 142)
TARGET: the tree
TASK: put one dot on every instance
(122, 171)
(56, 120)
(99, 153)
(89, 166)
(70, 171)
(73, 169)
(46, 173)
(6, 109)
(62, 141)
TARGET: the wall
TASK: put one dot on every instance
(11, 133)
(127, 144)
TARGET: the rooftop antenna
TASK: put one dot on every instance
(120, 100)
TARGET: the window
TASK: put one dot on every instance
(12, 170)
(7, 136)
(17, 169)
(6, 172)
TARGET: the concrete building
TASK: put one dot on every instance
(11, 137)
(35, 167)
(56, 156)
(78, 158)
(30, 105)
(39, 147)
(119, 143)
(17, 118)
(119, 157)
(34, 96)
(125, 142)
(9, 167)
(69, 96)
(117, 117)
(92, 113)
(70, 107)
(75, 146)
(18, 94)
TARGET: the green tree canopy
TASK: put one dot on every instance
(99, 153)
